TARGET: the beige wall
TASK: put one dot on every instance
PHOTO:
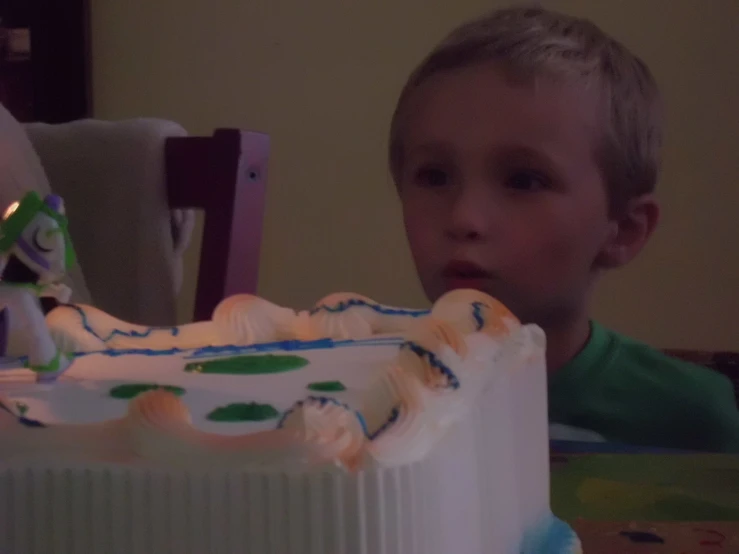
(321, 78)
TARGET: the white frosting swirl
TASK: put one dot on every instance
(247, 319)
(67, 331)
(329, 426)
(474, 311)
(345, 316)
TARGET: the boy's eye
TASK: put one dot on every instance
(526, 181)
(431, 177)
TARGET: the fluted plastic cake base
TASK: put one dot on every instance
(483, 488)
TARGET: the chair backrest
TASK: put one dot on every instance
(226, 176)
(111, 175)
(726, 363)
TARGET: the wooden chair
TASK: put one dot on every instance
(224, 175)
(130, 188)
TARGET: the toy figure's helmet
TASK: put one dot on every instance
(35, 231)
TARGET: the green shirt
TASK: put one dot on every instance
(629, 392)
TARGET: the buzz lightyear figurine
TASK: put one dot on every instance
(35, 253)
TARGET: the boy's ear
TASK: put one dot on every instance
(632, 228)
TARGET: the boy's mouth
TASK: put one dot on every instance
(459, 274)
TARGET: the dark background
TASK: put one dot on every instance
(51, 82)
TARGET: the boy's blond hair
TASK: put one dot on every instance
(531, 43)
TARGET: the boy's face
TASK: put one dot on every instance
(501, 191)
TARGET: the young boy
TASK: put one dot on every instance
(525, 149)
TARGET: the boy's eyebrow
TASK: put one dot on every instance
(502, 152)
(518, 150)
(499, 154)
(523, 153)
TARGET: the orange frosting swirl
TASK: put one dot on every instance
(474, 311)
(161, 431)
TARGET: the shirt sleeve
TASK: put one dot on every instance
(721, 416)
(664, 401)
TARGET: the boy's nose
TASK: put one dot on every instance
(468, 218)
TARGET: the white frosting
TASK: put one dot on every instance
(81, 394)
(414, 392)
(454, 421)
(238, 320)
(375, 384)
(246, 319)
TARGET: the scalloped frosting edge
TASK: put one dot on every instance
(446, 359)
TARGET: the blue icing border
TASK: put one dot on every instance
(392, 418)
(173, 331)
(323, 400)
(293, 345)
(552, 536)
(433, 359)
(477, 314)
(289, 345)
(227, 350)
(379, 308)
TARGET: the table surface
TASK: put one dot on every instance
(642, 501)
(646, 487)
(658, 538)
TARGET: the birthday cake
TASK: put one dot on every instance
(351, 427)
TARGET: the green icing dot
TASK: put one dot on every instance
(253, 411)
(249, 365)
(327, 386)
(134, 389)
(22, 408)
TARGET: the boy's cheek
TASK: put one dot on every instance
(423, 252)
(419, 229)
(426, 250)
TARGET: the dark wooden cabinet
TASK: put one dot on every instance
(45, 59)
